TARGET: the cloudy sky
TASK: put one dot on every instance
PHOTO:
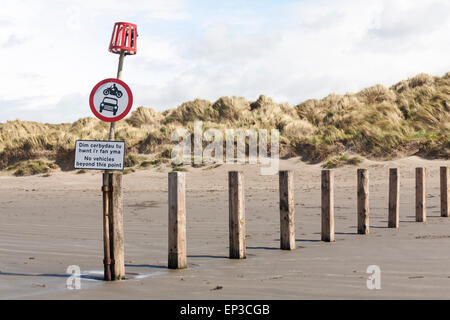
(54, 52)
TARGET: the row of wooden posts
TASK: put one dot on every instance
(177, 209)
(113, 211)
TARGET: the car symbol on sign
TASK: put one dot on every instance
(109, 104)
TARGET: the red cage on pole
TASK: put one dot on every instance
(123, 38)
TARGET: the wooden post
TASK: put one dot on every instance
(327, 206)
(116, 226)
(106, 240)
(236, 215)
(363, 201)
(177, 221)
(287, 210)
(444, 192)
(421, 195)
(394, 198)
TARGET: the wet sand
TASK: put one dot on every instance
(49, 223)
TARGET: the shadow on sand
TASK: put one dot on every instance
(145, 266)
(83, 276)
(262, 248)
(207, 256)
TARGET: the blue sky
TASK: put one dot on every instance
(54, 52)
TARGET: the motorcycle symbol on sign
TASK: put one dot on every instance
(113, 91)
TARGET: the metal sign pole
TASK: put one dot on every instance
(119, 76)
(106, 197)
(123, 42)
(106, 246)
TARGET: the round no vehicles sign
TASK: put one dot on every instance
(111, 100)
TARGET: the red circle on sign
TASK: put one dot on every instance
(120, 116)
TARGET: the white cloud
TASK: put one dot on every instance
(54, 52)
(410, 18)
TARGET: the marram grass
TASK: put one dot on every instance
(411, 117)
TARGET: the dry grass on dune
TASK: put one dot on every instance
(410, 118)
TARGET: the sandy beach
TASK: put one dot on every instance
(49, 223)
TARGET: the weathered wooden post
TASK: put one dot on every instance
(394, 198)
(116, 226)
(236, 215)
(363, 201)
(444, 192)
(327, 206)
(177, 221)
(287, 210)
(421, 196)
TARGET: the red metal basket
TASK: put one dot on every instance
(123, 38)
